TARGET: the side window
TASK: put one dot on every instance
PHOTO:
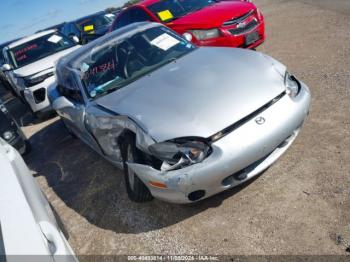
(139, 15)
(122, 20)
(69, 88)
(74, 90)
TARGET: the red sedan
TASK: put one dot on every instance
(232, 23)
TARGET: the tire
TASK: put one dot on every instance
(136, 189)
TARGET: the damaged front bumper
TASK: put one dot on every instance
(235, 158)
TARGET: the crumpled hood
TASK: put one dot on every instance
(214, 15)
(43, 64)
(200, 94)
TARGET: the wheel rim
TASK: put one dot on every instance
(131, 173)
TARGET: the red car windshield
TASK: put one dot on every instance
(168, 10)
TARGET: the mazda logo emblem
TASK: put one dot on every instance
(260, 120)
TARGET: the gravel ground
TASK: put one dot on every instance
(299, 206)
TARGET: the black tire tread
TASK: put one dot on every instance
(140, 193)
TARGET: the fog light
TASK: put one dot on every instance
(7, 135)
(196, 195)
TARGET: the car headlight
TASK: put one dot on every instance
(178, 155)
(32, 81)
(8, 135)
(205, 34)
(292, 85)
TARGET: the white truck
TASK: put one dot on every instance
(29, 66)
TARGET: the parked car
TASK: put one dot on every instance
(11, 132)
(28, 226)
(29, 65)
(88, 28)
(184, 122)
(204, 22)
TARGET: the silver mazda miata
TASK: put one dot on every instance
(183, 122)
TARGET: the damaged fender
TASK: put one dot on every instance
(108, 130)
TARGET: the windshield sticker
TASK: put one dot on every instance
(84, 67)
(88, 28)
(165, 41)
(165, 15)
(98, 69)
(54, 39)
(22, 51)
(22, 57)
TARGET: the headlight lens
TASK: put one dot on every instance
(8, 135)
(292, 85)
(205, 34)
(32, 81)
(177, 155)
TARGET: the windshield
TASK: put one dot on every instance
(94, 22)
(118, 64)
(168, 10)
(38, 48)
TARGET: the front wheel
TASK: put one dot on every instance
(137, 191)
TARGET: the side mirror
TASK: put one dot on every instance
(187, 36)
(6, 67)
(75, 38)
(61, 103)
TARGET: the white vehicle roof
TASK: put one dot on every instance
(30, 38)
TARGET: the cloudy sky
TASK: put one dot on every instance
(23, 17)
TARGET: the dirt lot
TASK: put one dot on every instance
(301, 205)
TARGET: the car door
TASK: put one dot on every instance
(73, 114)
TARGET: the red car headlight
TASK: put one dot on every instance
(205, 34)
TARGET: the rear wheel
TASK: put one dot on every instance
(137, 191)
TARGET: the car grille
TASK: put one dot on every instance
(241, 30)
(238, 20)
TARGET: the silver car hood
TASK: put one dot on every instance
(200, 94)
